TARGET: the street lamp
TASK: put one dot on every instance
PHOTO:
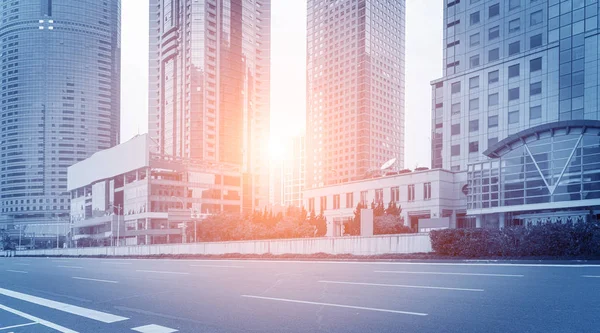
(119, 208)
(183, 207)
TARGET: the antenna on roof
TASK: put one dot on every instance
(388, 164)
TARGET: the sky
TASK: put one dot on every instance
(288, 71)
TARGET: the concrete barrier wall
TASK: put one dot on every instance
(413, 243)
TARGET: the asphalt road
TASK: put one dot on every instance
(161, 296)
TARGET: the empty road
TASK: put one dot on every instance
(161, 296)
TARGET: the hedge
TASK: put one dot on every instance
(581, 239)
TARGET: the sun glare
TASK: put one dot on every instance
(276, 149)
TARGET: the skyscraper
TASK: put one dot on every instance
(209, 85)
(355, 88)
(509, 66)
(294, 176)
(60, 99)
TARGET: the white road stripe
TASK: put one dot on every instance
(15, 326)
(115, 263)
(451, 273)
(22, 264)
(98, 280)
(14, 271)
(38, 320)
(335, 305)
(76, 310)
(399, 286)
(161, 272)
(153, 329)
(591, 276)
(220, 266)
(78, 267)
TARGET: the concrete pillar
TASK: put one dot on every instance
(478, 221)
(501, 220)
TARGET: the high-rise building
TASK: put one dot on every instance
(294, 172)
(60, 103)
(209, 85)
(355, 88)
(509, 66)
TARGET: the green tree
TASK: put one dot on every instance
(379, 209)
(393, 209)
(320, 224)
(389, 224)
(353, 226)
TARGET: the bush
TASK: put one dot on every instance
(580, 239)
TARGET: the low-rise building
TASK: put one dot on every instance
(129, 195)
(422, 195)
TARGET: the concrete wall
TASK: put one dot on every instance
(413, 243)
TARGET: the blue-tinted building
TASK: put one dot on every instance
(60, 72)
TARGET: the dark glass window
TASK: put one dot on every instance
(514, 71)
(474, 125)
(514, 48)
(474, 18)
(513, 94)
(535, 65)
(535, 88)
(494, 10)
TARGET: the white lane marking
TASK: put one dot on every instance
(591, 276)
(399, 286)
(219, 266)
(161, 272)
(115, 263)
(451, 273)
(22, 264)
(335, 305)
(38, 320)
(15, 326)
(78, 267)
(153, 329)
(98, 280)
(14, 271)
(76, 310)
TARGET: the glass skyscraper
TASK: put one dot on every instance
(511, 65)
(355, 88)
(209, 85)
(60, 103)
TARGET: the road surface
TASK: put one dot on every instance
(160, 296)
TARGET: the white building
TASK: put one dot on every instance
(429, 194)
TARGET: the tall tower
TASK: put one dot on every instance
(508, 66)
(60, 103)
(209, 85)
(355, 88)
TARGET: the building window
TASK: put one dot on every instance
(455, 150)
(535, 88)
(311, 204)
(363, 198)
(514, 71)
(427, 191)
(474, 18)
(474, 147)
(493, 77)
(493, 99)
(474, 82)
(395, 194)
(474, 104)
(535, 41)
(492, 121)
(512, 4)
(378, 195)
(455, 87)
(323, 203)
(455, 108)
(514, 48)
(535, 65)
(513, 117)
(411, 192)
(535, 112)
(494, 33)
(455, 129)
(474, 39)
(474, 125)
(494, 10)
(514, 26)
(493, 54)
(350, 200)
(536, 18)
(336, 201)
(474, 61)
(492, 141)
(513, 94)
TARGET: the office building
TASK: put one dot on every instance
(294, 167)
(129, 195)
(60, 103)
(355, 88)
(209, 82)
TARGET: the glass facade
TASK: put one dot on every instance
(60, 103)
(560, 164)
(541, 61)
(355, 88)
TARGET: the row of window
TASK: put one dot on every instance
(394, 195)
